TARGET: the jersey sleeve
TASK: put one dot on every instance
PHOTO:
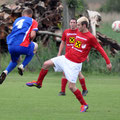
(34, 25)
(98, 47)
(63, 36)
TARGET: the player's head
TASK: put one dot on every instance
(27, 12)
(73, 23)
(83, 24)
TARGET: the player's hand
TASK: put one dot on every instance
(58, 54)
(87, 59)
(109, 66)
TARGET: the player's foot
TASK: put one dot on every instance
(61, 94)
(33, 83)
(83, 108)
(84, 92)
(20, 69)
(2, 77)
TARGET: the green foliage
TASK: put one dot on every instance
(79, 4)
(115, 63)
(72, 3)
(111, 5)
(4, 61)
(97, 63)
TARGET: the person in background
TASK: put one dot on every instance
(68, 40)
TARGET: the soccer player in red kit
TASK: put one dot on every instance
(68, 39)
(71, 62)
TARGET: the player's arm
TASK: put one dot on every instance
(103, 53)
(34, 28)
(62, 44)
(87, 59)
(32, 35)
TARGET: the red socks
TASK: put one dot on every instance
(63, 84)
(42, 74)
(82, 82)
(79, 96)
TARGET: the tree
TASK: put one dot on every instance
(69, 9)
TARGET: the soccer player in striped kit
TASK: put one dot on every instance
(71, 62)
(20, 42)
(68, 39)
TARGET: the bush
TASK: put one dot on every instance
(97, 63)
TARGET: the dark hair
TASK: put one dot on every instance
(27, 11)
(73, 19)
(85, 23)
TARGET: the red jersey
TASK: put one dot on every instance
(82, 46)
(69, 37)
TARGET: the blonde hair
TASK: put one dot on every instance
(83, 20)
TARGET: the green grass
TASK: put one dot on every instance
(19, 102)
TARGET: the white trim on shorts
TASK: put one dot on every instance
(70, 69)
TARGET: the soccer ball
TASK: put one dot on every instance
(116, 26)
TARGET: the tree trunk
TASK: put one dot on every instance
(68, 13)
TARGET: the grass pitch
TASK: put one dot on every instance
(19, 102)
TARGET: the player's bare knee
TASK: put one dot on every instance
(35, 48)
(70, 87)
(46, 65)
(81, 76)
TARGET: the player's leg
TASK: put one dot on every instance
(21, 67)
(54, 62)
(10, 67)
(71, 72)
(47, 64)
(29, 52)
(77, 93)
(83, 84)
(63, 86)
(35, 47)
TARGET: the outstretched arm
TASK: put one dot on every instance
(62, 44)
(103, 53)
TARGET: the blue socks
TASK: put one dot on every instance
(11, 66)
(27, 59)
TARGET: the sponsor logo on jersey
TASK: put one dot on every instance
(83, 46)
(81, 38)
(68, 34)
(71, 39)
(77, 44)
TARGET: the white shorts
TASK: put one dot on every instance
(70, 69)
